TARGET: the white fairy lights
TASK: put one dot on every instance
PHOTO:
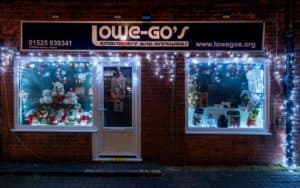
(164, 67)
(6, 58)
(291, 109)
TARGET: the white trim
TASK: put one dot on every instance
(229, 131)
(234, 131)
(132, 62)
(263, 36)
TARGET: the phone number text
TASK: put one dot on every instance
(49, 43)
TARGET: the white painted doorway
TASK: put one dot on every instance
(117, 109)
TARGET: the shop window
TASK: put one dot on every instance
(226, 95)
(54, 94)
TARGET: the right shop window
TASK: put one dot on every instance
(226, 95)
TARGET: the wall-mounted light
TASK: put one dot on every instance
(55, 16)
(117, 17)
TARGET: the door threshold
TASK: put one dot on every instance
(118, 159)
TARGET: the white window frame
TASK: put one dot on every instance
(238, 131)
(37, 128)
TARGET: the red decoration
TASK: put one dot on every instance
(251, 121)
(64, 118)
(84, 119)
(30, 118)
(52, 120)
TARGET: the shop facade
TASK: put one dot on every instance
(193, 91)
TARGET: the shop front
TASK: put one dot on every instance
(82, 94)
(144, 91)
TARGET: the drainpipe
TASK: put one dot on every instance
(289, 84)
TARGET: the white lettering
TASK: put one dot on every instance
(118, 34)
(166, 32)
(134, 32)
(105, 32)
(154, 32)
(183, 31)
(94, 35)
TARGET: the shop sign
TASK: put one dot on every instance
(142, 36)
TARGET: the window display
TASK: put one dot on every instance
(225, 94)
(55, 93)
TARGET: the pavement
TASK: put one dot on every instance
(115, 175)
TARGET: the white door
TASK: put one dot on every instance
(118, 109)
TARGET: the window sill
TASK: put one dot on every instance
(226, 131)
(52, 129)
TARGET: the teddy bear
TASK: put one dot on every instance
(70, 98)
(58, 92)
(58, 89)
(46, 97)
(61, 116)
(42, 113)
(74, 115)
(51, 117)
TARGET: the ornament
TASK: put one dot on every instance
(29, 65)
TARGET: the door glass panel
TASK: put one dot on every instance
(117, 96)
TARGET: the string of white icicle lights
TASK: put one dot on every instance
(164, 65)
(7, 55)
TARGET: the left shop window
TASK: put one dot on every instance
(54, 93)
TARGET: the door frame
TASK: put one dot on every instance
(99, 63)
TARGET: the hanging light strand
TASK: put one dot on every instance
(290, 110)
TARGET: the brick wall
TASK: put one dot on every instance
(163, 134)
